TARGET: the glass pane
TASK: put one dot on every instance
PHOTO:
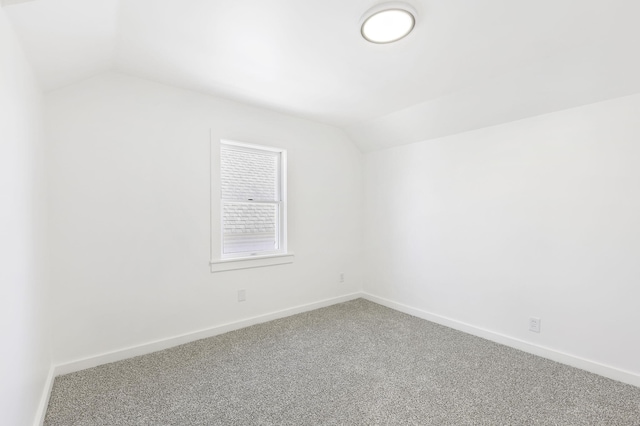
(249, 227)
(249, 175)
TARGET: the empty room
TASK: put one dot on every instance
(285, 212)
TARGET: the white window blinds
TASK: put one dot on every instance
(251, 200)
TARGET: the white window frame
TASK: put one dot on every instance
(225, 262)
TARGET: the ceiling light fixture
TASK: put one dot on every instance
(388, 22)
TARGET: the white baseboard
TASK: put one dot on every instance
(545, 352)
(158, 345)
(44, 399)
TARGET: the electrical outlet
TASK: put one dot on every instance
(534, 324)
(341, 277)
(242, 295)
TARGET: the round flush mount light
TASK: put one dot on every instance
(388, 22)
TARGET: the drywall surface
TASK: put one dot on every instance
(24, 353)
(538, 87)
(130, 208)
(534, 218)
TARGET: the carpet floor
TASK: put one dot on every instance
(356, 363)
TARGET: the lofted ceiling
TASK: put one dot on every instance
(468, 64)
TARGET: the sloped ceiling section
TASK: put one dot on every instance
(584, 75)
(66, 40)
(468, 64)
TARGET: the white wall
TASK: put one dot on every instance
(537, 217)
(24, 351)
(129, 179)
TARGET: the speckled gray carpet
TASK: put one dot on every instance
(356, 363)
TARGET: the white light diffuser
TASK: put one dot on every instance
(387, 23)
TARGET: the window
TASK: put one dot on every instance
(252, 206)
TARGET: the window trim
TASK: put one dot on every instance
(250, 262)
(225, 262)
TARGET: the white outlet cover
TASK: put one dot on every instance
(534, 324)
(242, 295)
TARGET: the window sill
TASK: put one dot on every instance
(221, 265)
